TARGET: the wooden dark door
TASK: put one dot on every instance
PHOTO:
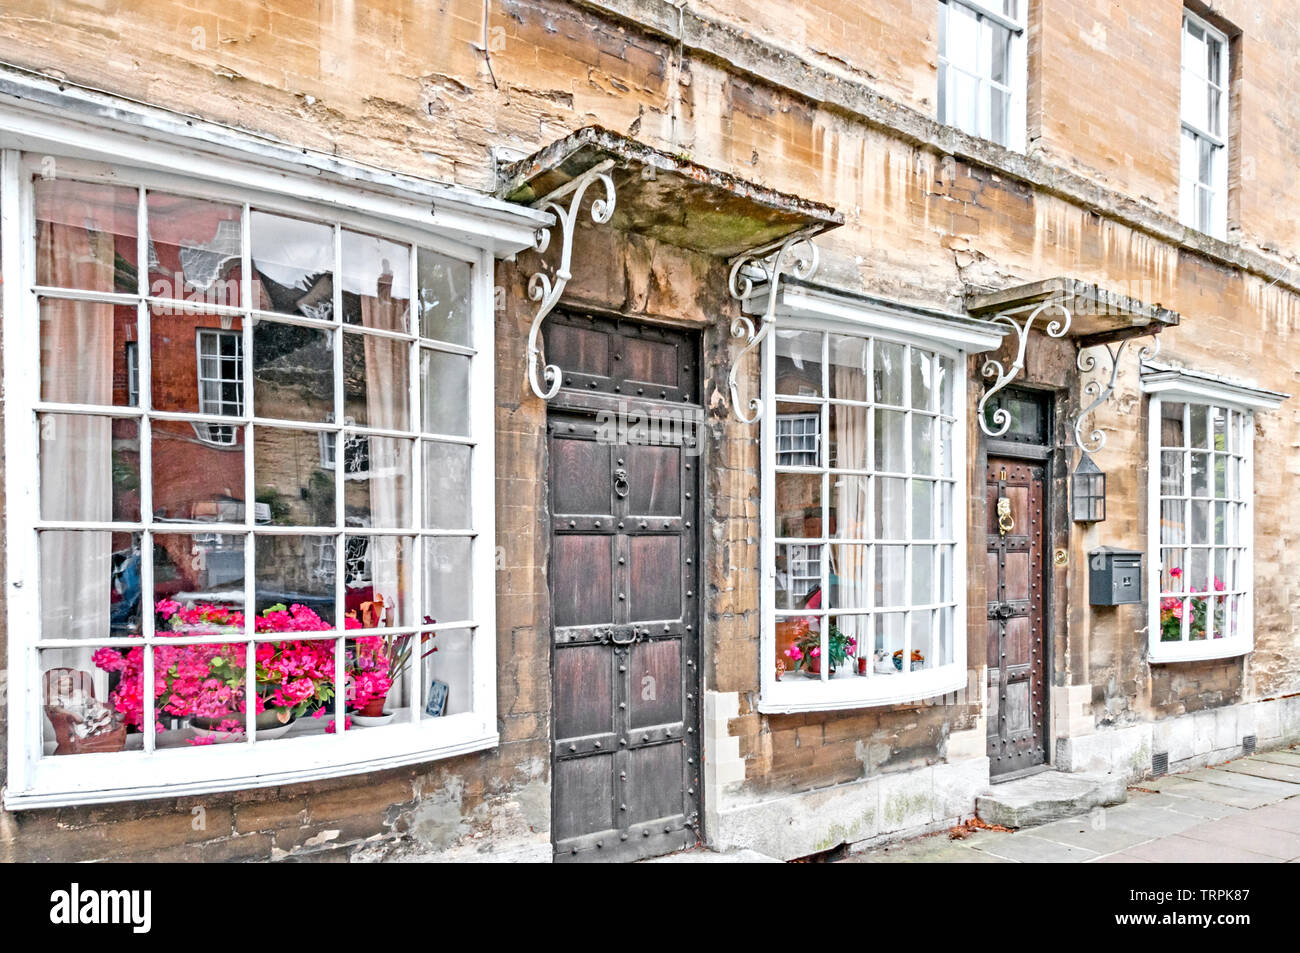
(624, 477)
(1017, 694)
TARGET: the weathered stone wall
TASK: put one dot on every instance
(809, 99)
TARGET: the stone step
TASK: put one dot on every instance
(1048, 796)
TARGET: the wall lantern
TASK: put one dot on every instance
(1088, 492)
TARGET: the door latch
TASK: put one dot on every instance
(620, 483)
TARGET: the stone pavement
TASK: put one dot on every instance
(1247, 810)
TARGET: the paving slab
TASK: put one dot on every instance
(1149, 821)
(1258, 767)
(1220, 793)
(1117, 859)
(706, 856)
(1025, 848)
(1188, 850)
(1281, 815)
(1250, 835)
(1284, 756)
(1188, 805)
(1245, 782)
(1082, 832)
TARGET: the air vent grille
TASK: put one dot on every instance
(1248, 744)
(1160, 763)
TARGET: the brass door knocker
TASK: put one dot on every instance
(1005, 523)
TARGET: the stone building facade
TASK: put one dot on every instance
(956, 209)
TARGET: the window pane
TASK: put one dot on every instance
(378, 572)
(849, 580)
(891, 508)
(293, 476)
(81, 714)
(888, 373)
(799, 505)
(90, 468)
(799, 363)
(197, 571)
(90, 584)
(962, 38)
(86, 235)
(891, 441)
(376, 282)
(83, 351)
(1200, 470)
(447, 583)
(945, 386)
(377, 481)
(849, 438)
(1172, 574)
(923, 509)
(891, 629)
(798, 576)
(297, 570)
(293, 266)
(196, 476)
(1171, 424)
(448, 673)
(444, 387)
(922, 444)
(1172, 520)
(922, 639)
(923, 588)
(851, 506)
(376, 381)
(445, 298)
(891, 576)
(922, 376)
(446, 485)
(195, 249)
(293, 372)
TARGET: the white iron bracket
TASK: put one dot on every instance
(1087, 362)
(767, 265)
(994, 368)
(540, 286)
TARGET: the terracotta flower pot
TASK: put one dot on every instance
(374, 708)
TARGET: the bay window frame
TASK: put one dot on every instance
(804, 307)
(80, 140)
(1161, 384)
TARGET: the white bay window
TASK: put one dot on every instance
(878, 507)
(198, 600)
(1201, 514)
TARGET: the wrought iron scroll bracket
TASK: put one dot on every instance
(1005, 375)
(1087, 362)
(544, 290)
(797, 256)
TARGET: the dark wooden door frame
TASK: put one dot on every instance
(587, 397)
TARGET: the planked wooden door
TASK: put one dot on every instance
(624, 478)
(1016, 737)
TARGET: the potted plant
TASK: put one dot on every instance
(206, 683)
(375, 664)
(805, 654)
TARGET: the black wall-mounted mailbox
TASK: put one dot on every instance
(1114, 576)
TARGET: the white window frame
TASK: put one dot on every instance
(805, 307)
(1018, 66)
(792, 443)
(138, 145)
(1190, 184)
(1162, 383)
(218, 435)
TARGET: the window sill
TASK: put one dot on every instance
(131, 776)
(798, 693)
(1159, 653)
